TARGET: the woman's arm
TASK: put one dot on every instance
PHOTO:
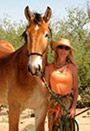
(75, 91)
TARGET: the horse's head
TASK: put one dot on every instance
(37, 34)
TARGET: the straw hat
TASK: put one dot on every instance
(62, 41)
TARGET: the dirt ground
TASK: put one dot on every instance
(27, 122)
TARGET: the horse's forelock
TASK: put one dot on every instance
(37, 18)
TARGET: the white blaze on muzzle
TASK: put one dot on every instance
(35, 63)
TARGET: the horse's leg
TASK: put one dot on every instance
(40, 115)
(14, 113)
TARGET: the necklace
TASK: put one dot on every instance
(62, 68)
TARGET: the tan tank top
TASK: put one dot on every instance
(61, 83)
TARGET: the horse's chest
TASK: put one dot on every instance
(35, 99)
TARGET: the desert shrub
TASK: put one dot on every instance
(84, 97)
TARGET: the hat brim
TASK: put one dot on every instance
(54, 45)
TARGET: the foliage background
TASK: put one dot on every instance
(74, 27)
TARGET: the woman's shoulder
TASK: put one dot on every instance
(72, 67)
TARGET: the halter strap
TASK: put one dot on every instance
(35, 53)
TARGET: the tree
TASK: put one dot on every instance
(74, 27)
(12, 32)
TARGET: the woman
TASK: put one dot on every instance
(62, 78)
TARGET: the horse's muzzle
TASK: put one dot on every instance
(35, 65)
(35, 71)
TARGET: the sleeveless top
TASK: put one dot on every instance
(61, 83)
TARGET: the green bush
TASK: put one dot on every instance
(12, 32)
(84, 97)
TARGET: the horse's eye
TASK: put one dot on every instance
(46, 35)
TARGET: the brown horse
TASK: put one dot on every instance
(5, 49)
(18, 85)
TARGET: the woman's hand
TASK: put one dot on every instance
(72, 112)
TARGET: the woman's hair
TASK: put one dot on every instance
(70, 58)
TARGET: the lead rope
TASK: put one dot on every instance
(65, 119)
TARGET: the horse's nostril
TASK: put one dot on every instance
(39, 68)
(28, 69)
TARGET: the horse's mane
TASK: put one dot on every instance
(38, 19)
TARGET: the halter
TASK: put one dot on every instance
(36, 53)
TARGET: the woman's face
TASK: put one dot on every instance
(63, 51)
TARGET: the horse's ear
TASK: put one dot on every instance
(47, 15)
(28, 14)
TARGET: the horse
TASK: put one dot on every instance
(19, 88)
(5, 48)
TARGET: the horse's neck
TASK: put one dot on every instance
(21, 57)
